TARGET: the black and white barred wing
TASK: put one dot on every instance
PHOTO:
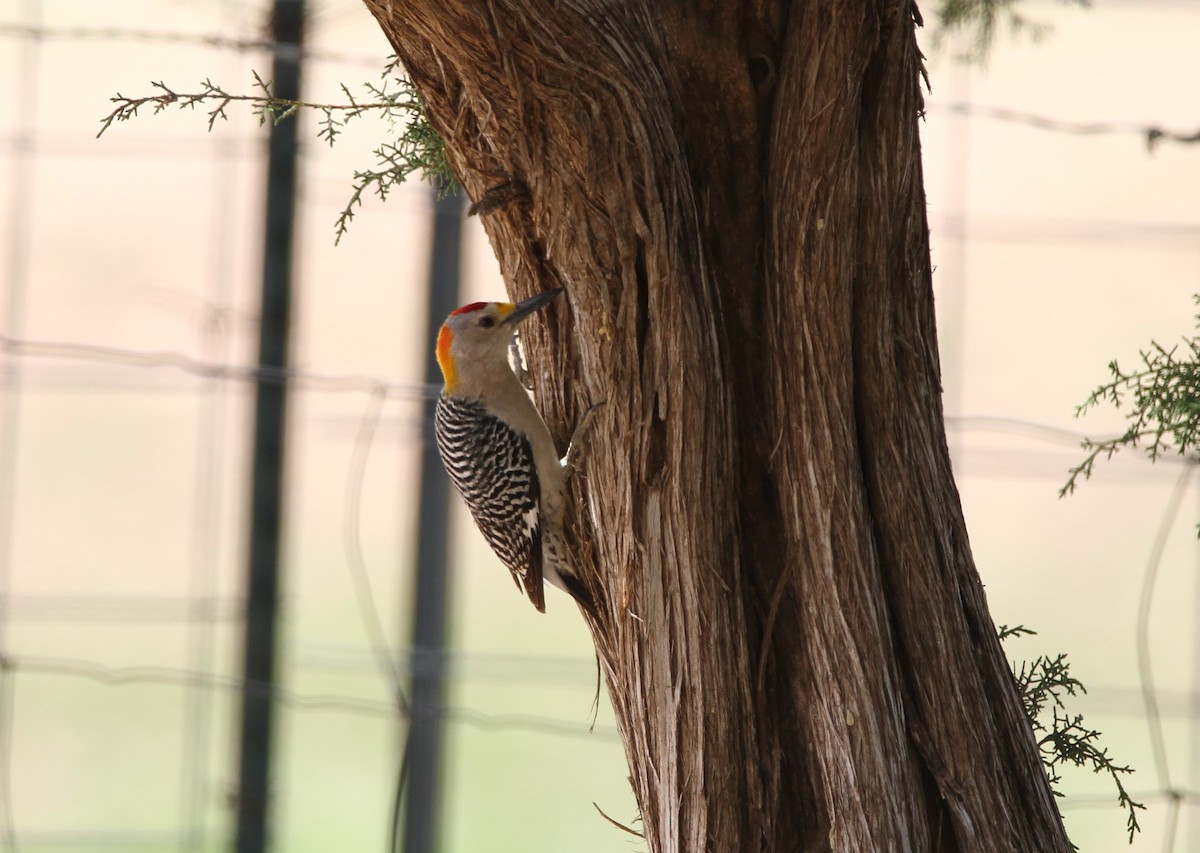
(491, 465)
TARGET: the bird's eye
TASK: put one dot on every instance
(487, 322)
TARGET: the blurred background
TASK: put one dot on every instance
(130, 269)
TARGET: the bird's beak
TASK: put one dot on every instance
(525, 308)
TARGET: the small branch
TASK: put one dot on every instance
(418, 147)
(1163, 403)
(265, 105)
(618, 824)
(1063, 738)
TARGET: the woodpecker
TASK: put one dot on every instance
(497, 449)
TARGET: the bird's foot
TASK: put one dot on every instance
(574, 452)
(518, 363)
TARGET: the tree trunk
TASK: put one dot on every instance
(795, 639)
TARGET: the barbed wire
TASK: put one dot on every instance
(1041, 432)
(210, 40)
(1186, 796)
(114, 676)
(174, 360)
(122, 608)
(1153, 134)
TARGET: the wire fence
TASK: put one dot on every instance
(120, 460)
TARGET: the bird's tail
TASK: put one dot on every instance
(556, 569)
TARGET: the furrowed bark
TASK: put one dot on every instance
(795, 640)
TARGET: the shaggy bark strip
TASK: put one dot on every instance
(851, 683)
(970, 729)
(794, 637)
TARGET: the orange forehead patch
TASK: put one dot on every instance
(445, 359)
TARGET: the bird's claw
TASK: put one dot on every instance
(518, 364)
(573, 449)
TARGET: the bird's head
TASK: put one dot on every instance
(478, 334)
